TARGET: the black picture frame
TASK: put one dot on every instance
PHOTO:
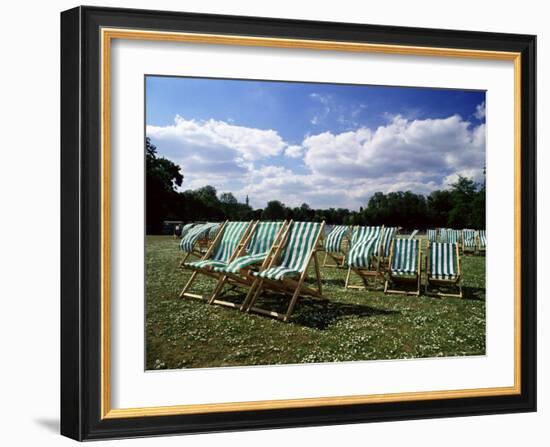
(81, 223)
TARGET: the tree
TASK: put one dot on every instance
(274, 210)
(463, 192)
(228, 198)
(162, 177)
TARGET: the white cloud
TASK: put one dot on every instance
(480, 111)
(433, 147)
(339, 169)
(324, 100)
(294, 151)
(191, 135)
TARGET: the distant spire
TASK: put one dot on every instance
(246, 201)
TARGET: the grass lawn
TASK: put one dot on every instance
(351, 325)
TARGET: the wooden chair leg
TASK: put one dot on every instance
(255, 295)
(249, 295)
(218, 289)
(318, 274)
(188, 285)
(325, 259)
(347, 277)
(294, 299)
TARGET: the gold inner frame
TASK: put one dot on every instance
(107, 35)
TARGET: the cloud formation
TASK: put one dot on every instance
(327, 169)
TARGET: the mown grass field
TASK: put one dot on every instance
(351, 325)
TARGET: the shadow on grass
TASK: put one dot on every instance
(319, 314)
(473, 293)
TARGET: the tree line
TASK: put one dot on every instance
(460, 206)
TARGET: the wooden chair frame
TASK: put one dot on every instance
(366, 272)
(207, 271)
(397, 279)
(288, 286)
(245, 277)
(455, 282)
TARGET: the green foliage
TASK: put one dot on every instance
(352, 325)
(162, 176)
(274, 210)
(461, 206)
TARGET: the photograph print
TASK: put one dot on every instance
(298, 222)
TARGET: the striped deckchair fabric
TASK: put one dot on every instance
(387, 239)
(229, 238)
(364, 233)
(295, 256)
(336, 245)
(186, 228)
(405, 257)
(333, 243)
(443, 261)
(366, 244)
(187, 243)
(288, 268)
(469, 240)
(482, 239)
(213, 231)
(432, 235)
(413, 234)
(449, 235)
(443, 266)
(258, 247)
(362, 252)
(404, 265)
(233, 232)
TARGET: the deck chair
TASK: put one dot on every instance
(469, 240)
(288, 267)
(443, 268)
(412, 235)
(449, 235)
(253, 255)
(364, 255)
(335, 245)
(387, 240)
(432, 235)
(186, 228)
(404, 266)
(388, 235)
(482, 240)
(193, 242)
(229, 239)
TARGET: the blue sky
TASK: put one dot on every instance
(329, 145)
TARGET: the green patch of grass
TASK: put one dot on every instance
(350, 325)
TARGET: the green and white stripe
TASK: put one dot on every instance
(232, 234)
(199, 231)
(469, 238)
(405, 257)
(364, 234)
(258, 247)
(443, 263)
(387, 239)
(482, 239)
(295, 255)
(449, 235)
(185, 229)
(333, 243)
(360, 255)
(213, 230)
(432, 235)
